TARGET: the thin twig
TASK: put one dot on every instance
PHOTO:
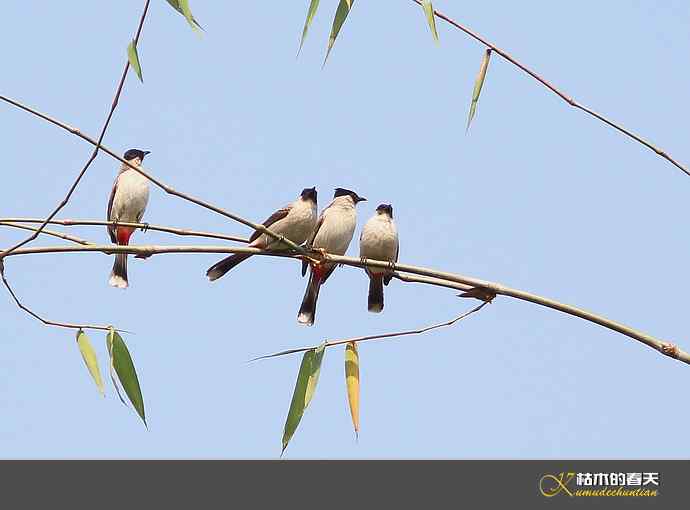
(67, 237)
(491, 288)
(145, 226)
(168, 189)
(331, 343)
(46, 321)
(558, 92)
(432, 281)
(97, 144)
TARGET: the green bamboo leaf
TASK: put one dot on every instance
(314, 374)
(89, 356)
(430, 18)
(340, 16)
(133, 56)
(182, 6)
(126, 373)
(305, 386)
(298, 398)
(313, 6)
(478, 84)
(113, 378)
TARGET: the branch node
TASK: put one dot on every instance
(481, 293)
(669, 349)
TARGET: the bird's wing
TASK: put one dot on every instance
(310, 241)
(276, 216)
(111, 229)
(317, 227)
(387, 279)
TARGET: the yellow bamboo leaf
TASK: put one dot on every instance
(352, 382)
(314, 373)
(478, 84)
(430, 18)
(89, 356)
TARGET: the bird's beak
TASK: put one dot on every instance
(146, 152)
(361, 199)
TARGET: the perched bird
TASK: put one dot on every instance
(127, 204)
(332, 234)
(379, 241)
(295, 222)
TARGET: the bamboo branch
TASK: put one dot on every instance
(46, 321)
(558, 92)
(97, 144)
(488, 288)
(331, 343)
(144, 226)
(168, 189)
(432, 281)
(67, 237)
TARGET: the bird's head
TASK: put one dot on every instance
(309, 194)
(385, 209)
(342, 192)
(133, 154)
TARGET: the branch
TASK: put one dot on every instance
(432, 281)
(160, 184)
(331, 343)
(485, 288)
(144, 226)
(556, 91)
(74, 185)
(46, 321)
(67, 237)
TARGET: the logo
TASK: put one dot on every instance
(572, 484)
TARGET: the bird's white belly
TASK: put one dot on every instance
(334, 236)
(378, 245)
(131, 198)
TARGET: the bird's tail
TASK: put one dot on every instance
(307, 312)
(376, 293)
(220, 268)
(118, 276)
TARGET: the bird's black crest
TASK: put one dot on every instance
(309, 194)
(342, 192)
(135, 153)
(387, 208)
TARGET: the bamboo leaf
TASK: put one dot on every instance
(352, 382)
(126, 373)
(340, 16)
(299, 396)
(314, 374)
(133, 57)
(430, 18)
(313, 6)
(478, 84)
(88, 354)
(182, 6)
(113, 379)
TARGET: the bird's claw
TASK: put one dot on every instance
(145, 228)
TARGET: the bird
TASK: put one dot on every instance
(332, 234)
(127, 203)
(295, 221)
(379, 241)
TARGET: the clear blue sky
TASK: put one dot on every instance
(538, 196)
